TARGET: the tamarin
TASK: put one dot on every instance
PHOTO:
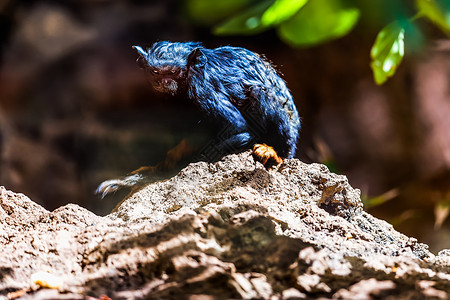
(235, 88)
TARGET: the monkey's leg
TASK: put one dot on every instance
(147, 174)
(225, 144)
(177, 154)
(266, 155)
(236, 143)
(234, 135)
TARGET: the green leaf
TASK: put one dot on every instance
(207, 12)
(281, 10)
(317, 22)
(387, 52)
(437, 12)
(246, 23)
(331, 165)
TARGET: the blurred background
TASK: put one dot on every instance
(76, 110)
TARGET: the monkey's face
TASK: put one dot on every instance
(166, 79)
(166, 66)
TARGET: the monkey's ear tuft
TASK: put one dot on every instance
(196, 58)
(141, 60)
(140, 50)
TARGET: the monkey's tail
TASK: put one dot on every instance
(112, 185)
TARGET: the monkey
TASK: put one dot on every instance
(236, 89)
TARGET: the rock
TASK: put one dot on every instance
(230, 229)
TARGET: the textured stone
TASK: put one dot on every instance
(230, 229)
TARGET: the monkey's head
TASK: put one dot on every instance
(167, 65)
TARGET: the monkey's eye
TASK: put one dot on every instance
(155, 71)
(173, 71)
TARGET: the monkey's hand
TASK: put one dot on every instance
(266, 155)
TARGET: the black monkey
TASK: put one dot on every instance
(236, 88)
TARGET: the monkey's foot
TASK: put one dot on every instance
(113, 185)
(266, 155)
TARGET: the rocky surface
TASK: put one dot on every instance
(230, 229)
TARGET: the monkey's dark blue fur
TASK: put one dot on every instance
(236, 88)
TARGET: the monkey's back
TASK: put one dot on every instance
(253, 86)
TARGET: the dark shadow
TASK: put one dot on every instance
(253, 246)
